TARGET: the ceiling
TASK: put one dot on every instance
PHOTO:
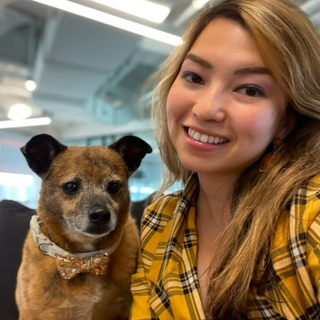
(91, 77)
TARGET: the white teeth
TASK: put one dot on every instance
(205, 138)
(196, 135)
(216, 140)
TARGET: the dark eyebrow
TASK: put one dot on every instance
(243, 71)
(199, 60)
(253, 70)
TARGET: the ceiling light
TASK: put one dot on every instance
(140, 8)
(24, 123)
(112, 20)
(19, 111)
(198, 4)
(30, 85)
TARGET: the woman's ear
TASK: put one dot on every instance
(289, 122)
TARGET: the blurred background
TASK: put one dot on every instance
(81, 71)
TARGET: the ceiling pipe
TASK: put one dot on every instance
(11, 19)
(195, 6)
(315, 19)
(310, 7)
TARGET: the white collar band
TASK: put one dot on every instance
(49, 248)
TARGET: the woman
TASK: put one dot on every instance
(237, 118)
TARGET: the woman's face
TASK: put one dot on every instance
(224, 107)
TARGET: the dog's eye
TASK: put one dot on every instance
(113, 187)
(70, 187)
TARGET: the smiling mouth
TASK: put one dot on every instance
(206, 138)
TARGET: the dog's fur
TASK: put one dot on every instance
(84, 205)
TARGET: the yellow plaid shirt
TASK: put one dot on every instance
(166, 284)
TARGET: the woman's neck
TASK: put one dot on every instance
(213, 216)
(215, 195)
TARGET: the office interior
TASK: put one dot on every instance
(87, 68)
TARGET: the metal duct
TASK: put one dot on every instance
(310, 7)
(315, 18)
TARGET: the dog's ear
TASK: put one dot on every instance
(40, 151)
(132, 149)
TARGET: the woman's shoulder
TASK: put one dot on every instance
(157, 221)
(313, 185)
(164, 206)
(308, 192)
(168, 209)
(306, 204)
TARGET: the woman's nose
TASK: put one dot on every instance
(210, 105)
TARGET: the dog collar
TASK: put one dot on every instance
(69, 265)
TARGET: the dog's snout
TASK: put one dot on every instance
(99, 216)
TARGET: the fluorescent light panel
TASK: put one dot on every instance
(146, 190)
(19, 111)
(25, 123)
(140, 8)
(112, 20)
(15, 179)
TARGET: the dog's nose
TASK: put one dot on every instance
(99, 216)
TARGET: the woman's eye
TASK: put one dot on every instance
(251, 91)
(70, 187)
(192, 77)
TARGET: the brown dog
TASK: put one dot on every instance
(81, 249)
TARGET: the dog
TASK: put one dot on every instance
(82, 246)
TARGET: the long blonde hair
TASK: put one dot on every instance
(289, 44)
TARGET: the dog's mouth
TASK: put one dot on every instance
(93, 226)
(98, 230)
